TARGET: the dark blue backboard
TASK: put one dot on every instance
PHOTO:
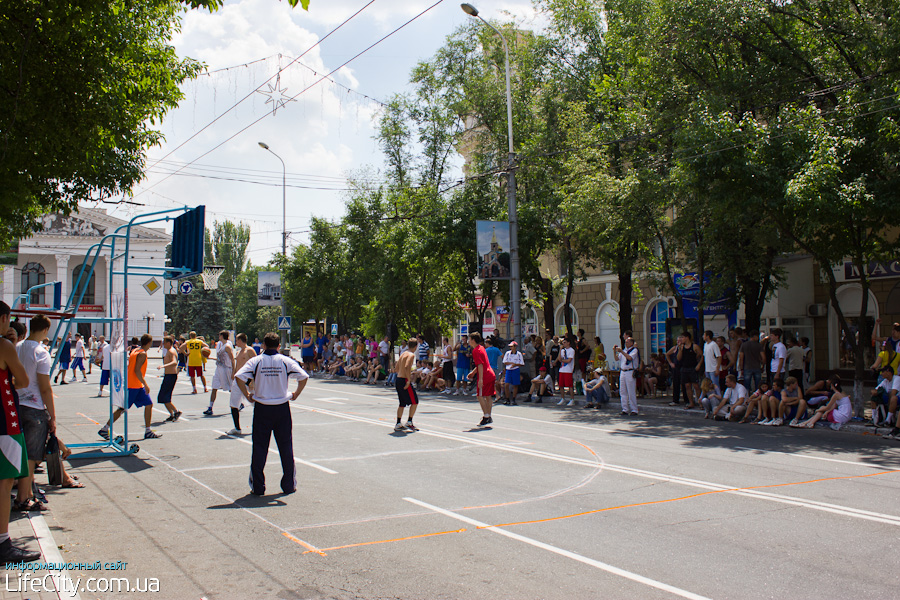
(187, 243)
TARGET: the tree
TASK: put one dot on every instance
(227, 247)
(81, 86)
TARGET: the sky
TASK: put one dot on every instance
(211, 154)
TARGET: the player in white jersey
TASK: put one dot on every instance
(224, 369)
(238, 402)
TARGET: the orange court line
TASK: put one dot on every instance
(757, 487)
(309, 547)
(88, 418)
(412, 537)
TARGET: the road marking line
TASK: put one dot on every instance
(309, 547)
(750, 493)
(329, 400)
(240, 466)
(274, 451)
(51, 554)
(88, 418)
(403, 539)
(232, 501)
(565, 553)
(809, 456)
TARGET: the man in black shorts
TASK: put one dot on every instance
(405, 390)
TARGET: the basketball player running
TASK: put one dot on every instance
(138, 390)
(244, 353)
(195, 360)
(405, 391)
(170, 376)
(224, 369)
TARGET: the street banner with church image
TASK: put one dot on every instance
(492, 244)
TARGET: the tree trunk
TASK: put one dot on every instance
(549, 306)
(625, 320)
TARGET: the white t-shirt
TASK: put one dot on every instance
(517, 358)
(107, 357)
(36, 360)
(270, 374)
(567, 353)
(384, 348)
(711, 354)
(547, 379)
(779, 351)
(626, 365)
(736, 393)
(79, 349)
(597, 382)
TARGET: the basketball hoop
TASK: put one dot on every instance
(210, 275)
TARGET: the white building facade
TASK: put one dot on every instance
(57, 254)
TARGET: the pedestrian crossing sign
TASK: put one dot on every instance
(284, 323)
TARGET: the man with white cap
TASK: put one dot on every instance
(629, 360)
(513, 360)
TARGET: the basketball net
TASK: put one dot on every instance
(211, 276)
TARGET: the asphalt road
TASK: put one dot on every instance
(549, 503)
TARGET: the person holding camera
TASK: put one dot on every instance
(629, 360)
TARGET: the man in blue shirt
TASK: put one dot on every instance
(65, 357)
(463, 366)
(494, 354)
(422, 350)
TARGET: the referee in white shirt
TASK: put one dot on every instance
(271, 413)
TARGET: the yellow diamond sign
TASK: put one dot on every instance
(152, 285)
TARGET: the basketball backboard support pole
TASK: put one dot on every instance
(189, 262)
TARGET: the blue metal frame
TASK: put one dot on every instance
(76, 296)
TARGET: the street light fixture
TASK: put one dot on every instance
(265, 147)
(515, 290)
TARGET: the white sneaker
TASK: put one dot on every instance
(571, 403)
(456, 392)
(235, 432)
(765, 422)
(777, 422)
(399, 427)
(561, 402)
(794, 423)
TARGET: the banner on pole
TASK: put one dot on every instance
(492, 245)
(268, 288)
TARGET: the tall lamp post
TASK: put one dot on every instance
(515, 284)
(265, 146)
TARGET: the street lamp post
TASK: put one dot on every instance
(515, 284)
(265, 146)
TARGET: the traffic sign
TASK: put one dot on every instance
(284, 323)
(186, 287)
(152, 286)
(334, 329)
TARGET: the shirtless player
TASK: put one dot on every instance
(238, 402)
(405, 390)
(170, 376)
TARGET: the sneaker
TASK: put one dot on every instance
(539, 400)
(456, 392)
(571, 403)
(490, 420)
(484, 421)
(624, 413)
(836, 426)
(674, 403)
(634, 414)
(208, 411)
(894, 434)
(764, 422)
(178, 414)
(399, 427)
(411, 427)
(513, 402)
(104, 434)
(528, 399)
(151, 435)
(236, 432)
(777, 422)
(14, 554)
(170, 419)
(794, 423)
(561, 402)
(498, 401)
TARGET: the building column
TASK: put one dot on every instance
(62, 275)
(9, 284)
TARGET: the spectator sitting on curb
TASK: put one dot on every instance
(769, 403)
(756, 402)
(791, 398)
(541, 386)
(881, 397)
(709, 396)
(734, 393)
(838, 411)
(595, 389)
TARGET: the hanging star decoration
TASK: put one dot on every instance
(277, 96)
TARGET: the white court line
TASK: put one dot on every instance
(329, 400)
(810, 456)
(241, 466)
(566, 553)
(706, 485)
(274, 451)
(304, 543)
(51, 554)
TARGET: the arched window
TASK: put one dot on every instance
(33, 274)
(88, 297)
(560, 320)
(657, 323)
